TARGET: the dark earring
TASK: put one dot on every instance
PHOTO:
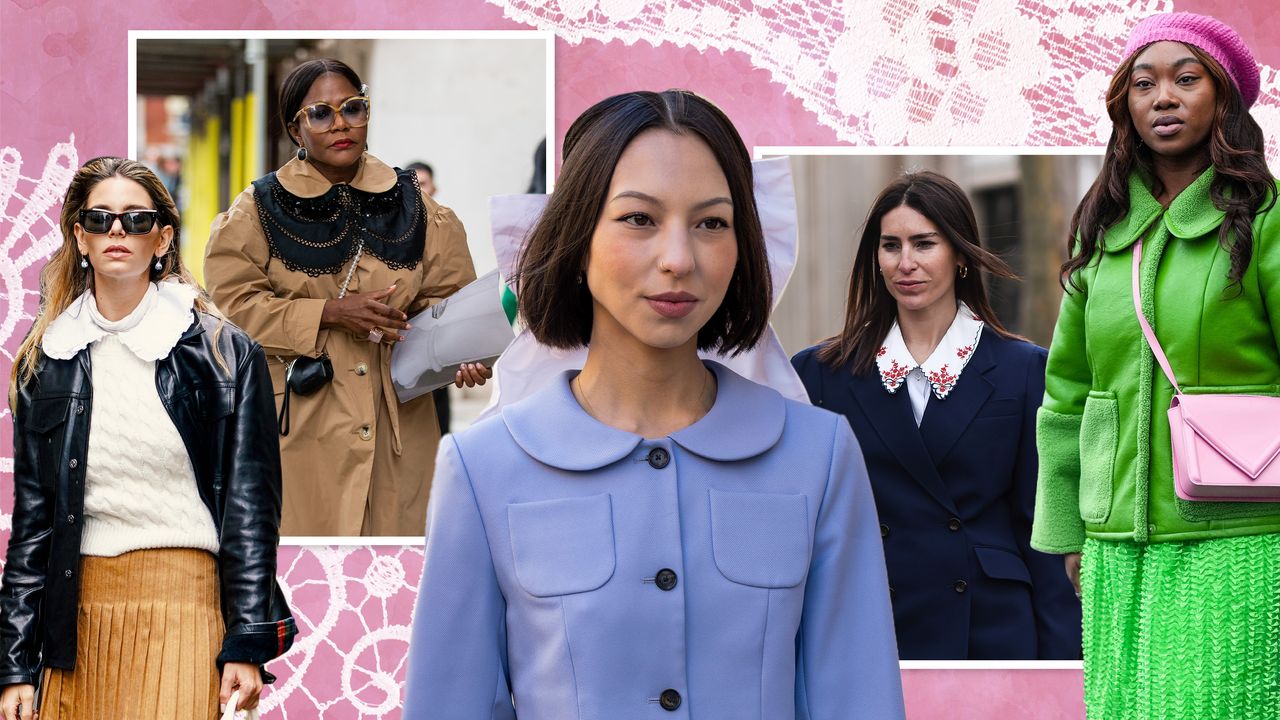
(581, 276)
(964, 271)
(302, 153)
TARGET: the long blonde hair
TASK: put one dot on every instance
(63, 280)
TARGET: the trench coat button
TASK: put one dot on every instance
(362, 369)
(960, 586)
(67, 573)
(71, 519)
(365, 432)
(953, 524)
(666, 579)
(658, 459)
(884, 530)
(669, 700)
(80, 409)
(73, 464)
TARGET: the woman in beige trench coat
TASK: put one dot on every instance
(355, 461)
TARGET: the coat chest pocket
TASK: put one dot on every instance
(44, 419)
(760, 539)
(562, 546)
(209, 403)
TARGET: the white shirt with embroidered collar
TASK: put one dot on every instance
(938, 374)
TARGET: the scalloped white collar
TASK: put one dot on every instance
(943, 367)
(150, 331)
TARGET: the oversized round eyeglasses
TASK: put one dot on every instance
(320, 116)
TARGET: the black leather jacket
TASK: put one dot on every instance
(228, 425)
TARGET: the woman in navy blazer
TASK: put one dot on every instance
(943, 402)
(652, 536)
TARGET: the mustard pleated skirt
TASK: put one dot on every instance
(149, 629)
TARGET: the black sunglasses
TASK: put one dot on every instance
(134, 222)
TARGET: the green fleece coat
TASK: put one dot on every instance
(1106, 470)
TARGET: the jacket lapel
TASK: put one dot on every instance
(890, 415)
(946, 420)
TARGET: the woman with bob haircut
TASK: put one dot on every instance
(140, 575)
(324, 260)
(942, 399)
(1181, 596)
(652, 533)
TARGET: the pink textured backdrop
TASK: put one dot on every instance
(787, 74)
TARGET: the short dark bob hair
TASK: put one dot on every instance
(298, 83)
(556, 307)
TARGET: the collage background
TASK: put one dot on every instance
(869, 72)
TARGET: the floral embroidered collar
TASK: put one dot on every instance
(943, 367)
(150, 331)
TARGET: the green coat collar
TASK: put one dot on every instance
(1192, 213)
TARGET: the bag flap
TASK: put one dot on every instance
(1244, 429)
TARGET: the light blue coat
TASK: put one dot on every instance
(547, 534)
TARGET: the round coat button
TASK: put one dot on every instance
(365, 432)
(953, 524)
(884, 530)
(658, 459)
(670, 700)
(362, 369)
(71, 519)
(80, 409)
(67, 573)
(73, 464)
(666, 579)
(960, 586)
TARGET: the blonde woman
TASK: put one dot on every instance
(147, 502)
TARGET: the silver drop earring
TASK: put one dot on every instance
(159, 265)
(84, 262)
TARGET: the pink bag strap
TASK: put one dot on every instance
(1152, 342)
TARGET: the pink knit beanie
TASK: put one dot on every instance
(1214, 37)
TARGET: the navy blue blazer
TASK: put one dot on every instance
(955, 498)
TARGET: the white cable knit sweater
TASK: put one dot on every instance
(140, 489)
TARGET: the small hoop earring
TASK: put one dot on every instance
(84, 262)
(964, 271)
(302, 153)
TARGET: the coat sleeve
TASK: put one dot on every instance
(446, 261)
(1266, 248)
(1058, 527)
(458, 649)
(27, 561)
(258, 624)
(846, 652)
(235, 271)
(1053, 599)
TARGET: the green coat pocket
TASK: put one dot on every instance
(1099, 430)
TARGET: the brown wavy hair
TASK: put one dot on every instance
(1242, 185)
(63, 280)
(871, 310)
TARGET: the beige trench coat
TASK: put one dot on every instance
(356, 462)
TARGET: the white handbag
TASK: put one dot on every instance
(229, 711)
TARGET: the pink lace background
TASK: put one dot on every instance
(867, 72)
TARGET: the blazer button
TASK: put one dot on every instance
(953, 524)
(659, 458)
(666, 579)
(960, 586)
(884, 530)
(73, 464)
(71, 519)
(80, 409)
(67, 573)
(365, 432)
(362, 369)
(670, 700)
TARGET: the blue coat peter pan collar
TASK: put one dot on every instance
(745, 421)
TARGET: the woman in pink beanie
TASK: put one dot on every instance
(1181, 597)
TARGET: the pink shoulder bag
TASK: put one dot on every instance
(1225, 447)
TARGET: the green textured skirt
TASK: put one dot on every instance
(1182, 630)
